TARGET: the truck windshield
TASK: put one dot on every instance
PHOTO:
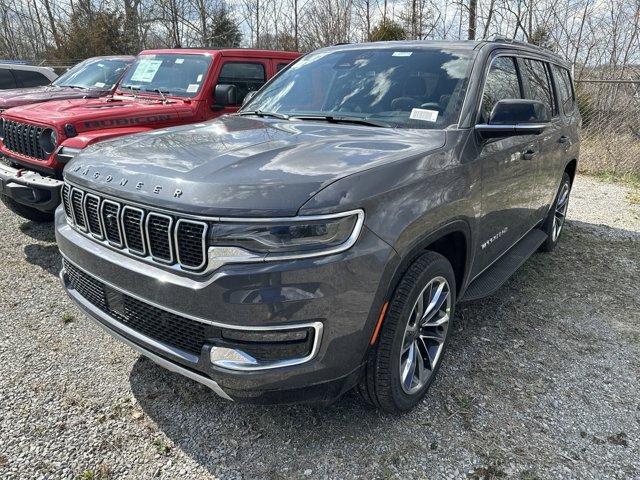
(172, 74)
(101, 73)
(405, 87)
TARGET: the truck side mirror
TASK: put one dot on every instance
(225, 95)
(513, 117)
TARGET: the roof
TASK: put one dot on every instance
(241, 52)
(46, 71)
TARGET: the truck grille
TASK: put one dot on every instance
(166, 327)
(24, 139)
(155, 236)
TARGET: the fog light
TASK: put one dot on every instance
(262, 349)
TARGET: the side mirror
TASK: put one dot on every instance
(512, 117)
(225, 95)
(248, 97)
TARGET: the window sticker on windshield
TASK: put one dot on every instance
(179, 61)
(199, 79)
(401, 54)
(146, 71)
(424, 115)
(193, 88)
(99, 84)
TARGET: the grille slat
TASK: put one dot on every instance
(133, 230)
(92, 211)
(77, 197)
(24, 139)
(166, 327)
(159, 236)
(155, 236)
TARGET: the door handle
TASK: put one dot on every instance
(528, 154)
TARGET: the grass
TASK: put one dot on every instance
(67, 318)
(630, 179)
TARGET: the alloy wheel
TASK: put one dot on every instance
(425, 335)
(560, 212)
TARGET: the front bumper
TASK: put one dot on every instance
(340, 293)
(30, 188)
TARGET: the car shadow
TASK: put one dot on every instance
(46, 257)
(42, 232)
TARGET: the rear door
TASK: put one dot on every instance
(507, 170)
(539, 86)
(247, 74)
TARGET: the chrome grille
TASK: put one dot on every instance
(155, 236)
(24, 139)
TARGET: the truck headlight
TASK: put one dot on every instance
(49, 141)
(298, 237)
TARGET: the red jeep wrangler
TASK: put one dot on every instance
(162, 88)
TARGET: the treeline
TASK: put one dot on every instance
(599, 35)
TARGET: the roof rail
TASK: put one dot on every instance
(503, 39)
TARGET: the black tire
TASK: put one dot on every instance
(381, 383)
(548, 226)
(29, 213)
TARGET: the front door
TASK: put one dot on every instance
(508, 171)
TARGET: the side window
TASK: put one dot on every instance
(565, 90)
(540, 89)
(245, 76)
(6, 79)
(30, 79)
(280, 66)
(501, 83)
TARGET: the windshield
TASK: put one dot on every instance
(407, 87)
(101, 73)
(172, 74)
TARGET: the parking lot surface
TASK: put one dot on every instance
(541, 381)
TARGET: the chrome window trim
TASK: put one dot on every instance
(317, 326)
(73, 210)
(109, 242)
(203, 242)
(142, 252)
(161, 215)
(84, 207)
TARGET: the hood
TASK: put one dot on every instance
(98, 113)
(240, 165)
(26, 96)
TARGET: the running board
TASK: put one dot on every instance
(494, 277)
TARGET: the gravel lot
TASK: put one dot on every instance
(541, 381)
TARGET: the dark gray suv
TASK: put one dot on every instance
(320, 239)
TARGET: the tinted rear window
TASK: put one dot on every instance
(247, 77)
(6, 79)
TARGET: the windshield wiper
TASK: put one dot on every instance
(76, 86)
(132, 89)
(342, 119)
(260, 113)
(157, 90)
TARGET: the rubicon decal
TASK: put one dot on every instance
(125, 122)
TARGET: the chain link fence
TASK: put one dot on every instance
(610, 112)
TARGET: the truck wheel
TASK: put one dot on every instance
(554, 222)
(29, 213)
(413, 337)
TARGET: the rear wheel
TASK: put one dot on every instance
(29, 213)
(554, 222)
(413, 337)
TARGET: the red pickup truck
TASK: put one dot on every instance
(162, 88)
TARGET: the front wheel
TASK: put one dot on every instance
(554, 222)
(414, 336)
(29, 213)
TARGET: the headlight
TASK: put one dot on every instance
(49, 141)
(296, 237)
